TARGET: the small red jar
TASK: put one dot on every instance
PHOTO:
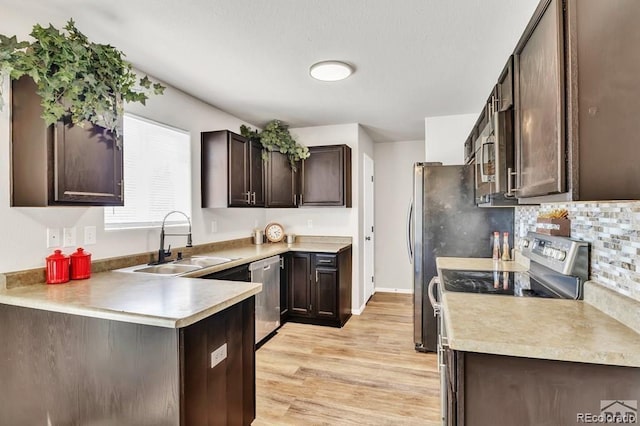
(80, 265)
(57, 268)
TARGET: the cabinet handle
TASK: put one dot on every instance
(511, 175)
(295, 199)
(253, 198)
(300, 200)
(316, 275)
(324, 261)
(248, 195)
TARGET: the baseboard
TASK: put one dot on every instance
(358, 311)
(394, 290)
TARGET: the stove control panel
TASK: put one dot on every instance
(561, 254)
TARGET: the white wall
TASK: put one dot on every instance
(445, 136)
(23, 230)
(393, 191)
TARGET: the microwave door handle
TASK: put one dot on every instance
(409, 231)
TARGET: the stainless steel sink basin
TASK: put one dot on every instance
(168, 269)
(178, 267)
(203, 261)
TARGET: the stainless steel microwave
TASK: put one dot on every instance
(494, 158)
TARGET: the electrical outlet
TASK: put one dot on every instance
(53, 237)
(309, 223)
(89, 235)
(255, 223)
(214, 226)
(218, 355)
(69, 237)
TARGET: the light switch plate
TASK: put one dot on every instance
(89, 235)
(218, 355)
(214, 226)
(53, 237)
(69, 237)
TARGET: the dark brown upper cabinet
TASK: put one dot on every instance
(326, 176)
(281, 181)
(504, 99)
(232, 172)
(60, 164)
(576, 102)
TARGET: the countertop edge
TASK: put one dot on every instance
(541, 352)
(128, 317)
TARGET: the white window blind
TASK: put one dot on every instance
(157, 175)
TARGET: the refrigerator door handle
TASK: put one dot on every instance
(409, 231)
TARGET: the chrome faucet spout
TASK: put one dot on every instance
(162, 254)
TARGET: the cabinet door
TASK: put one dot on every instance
(505, 87)
(87, 166)
(326, 176)
(540, 120)
(299, 291)
(280, 181)
(326, 293)
(238, 171)
(256, 175)
(61, 164)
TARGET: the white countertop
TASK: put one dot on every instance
(564, 330)
(163, 301)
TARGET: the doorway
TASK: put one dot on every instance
(368, 231)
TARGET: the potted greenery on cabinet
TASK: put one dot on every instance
(67, 104)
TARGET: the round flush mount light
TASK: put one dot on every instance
(330, 70)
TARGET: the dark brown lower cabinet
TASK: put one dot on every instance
(319, 287)
(65, 369)
(502, 390)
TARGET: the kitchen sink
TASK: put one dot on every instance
(203, 261)
(178, 267)
(168, 269)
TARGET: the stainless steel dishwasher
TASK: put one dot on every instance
(267, 272)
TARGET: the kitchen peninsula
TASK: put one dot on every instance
(128, 349)
(136, 348)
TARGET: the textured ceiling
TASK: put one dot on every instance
(413, 58)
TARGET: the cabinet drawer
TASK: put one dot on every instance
(328, 260)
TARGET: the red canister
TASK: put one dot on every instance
(80, 265)
(57, 268)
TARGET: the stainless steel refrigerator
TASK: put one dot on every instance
(443, 220)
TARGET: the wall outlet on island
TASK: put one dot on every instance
(214, 226)
(309, 223)
(218, 355)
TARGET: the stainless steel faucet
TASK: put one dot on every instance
(162, 254)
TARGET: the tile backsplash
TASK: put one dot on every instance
(612, 228)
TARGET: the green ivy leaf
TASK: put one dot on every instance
(76, 78)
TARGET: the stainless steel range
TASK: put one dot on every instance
(559, 266)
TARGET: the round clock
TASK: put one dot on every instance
(274, 232)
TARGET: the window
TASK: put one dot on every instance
(157, 175)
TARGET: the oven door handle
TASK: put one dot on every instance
(432, 298)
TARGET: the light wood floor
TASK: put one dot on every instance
(366, 373)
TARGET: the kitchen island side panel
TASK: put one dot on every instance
(67, 369)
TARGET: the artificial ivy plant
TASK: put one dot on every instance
(76, 79)
(276, 137)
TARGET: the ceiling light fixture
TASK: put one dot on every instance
(330, 70)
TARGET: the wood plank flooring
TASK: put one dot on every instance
(366, 373)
